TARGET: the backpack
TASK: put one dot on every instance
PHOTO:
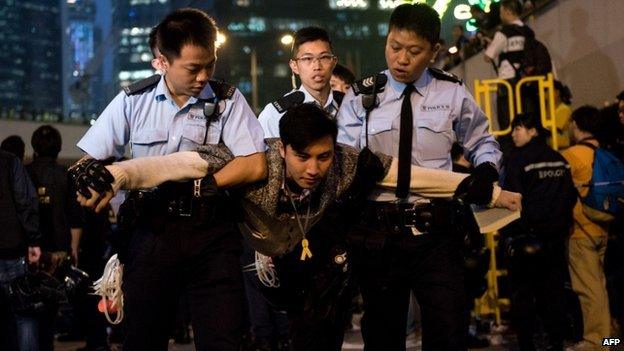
(535, 58)
(605, 199)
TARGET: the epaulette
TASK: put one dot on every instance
(365, 85)
(141, 85)
(444, 75)
(338, 96)
(288, 101)
(222, 90)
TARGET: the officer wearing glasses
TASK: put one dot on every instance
(313, 61)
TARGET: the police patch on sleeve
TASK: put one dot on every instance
(141, 85)
(289, 101)
(222, 90)
(366, 85)
(444, 75)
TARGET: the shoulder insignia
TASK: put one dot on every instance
(141, 85)
(222, 90)
(338, 96)
(365, 85)
(288, 101)
(444, 75)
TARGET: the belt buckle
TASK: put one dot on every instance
(409, 220)
(413, 215)
(181, 207)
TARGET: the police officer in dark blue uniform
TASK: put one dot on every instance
(405, 242)
(179, 242)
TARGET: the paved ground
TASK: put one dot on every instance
(353, 342)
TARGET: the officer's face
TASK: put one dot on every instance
(521, 135)
(314, 63)
(309, 167)
(188, 74)
(408, 54)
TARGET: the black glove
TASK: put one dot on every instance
(208, 187)
(487, 172)
(474, 190)
(91, 173)
(369, 165)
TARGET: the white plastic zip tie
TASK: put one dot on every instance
(265, 270)
(109, 288)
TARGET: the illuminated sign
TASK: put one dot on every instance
(462, 12)
(348, 4)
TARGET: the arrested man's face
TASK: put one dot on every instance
(309, 167)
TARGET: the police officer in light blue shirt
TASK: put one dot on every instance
(313, 61)
(402, 242)
(183, 240)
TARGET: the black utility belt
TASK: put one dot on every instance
(435, 215)
(177, 200)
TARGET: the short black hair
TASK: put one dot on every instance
(186, 26)
(587, 119)
(512, 5)
(419, 18)
(308, 34)
(344, 73)
(46, 141)
(564, 92)
(620, 96)
(530, 121)
(304, 124)
(15, 145)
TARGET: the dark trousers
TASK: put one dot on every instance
(537, 284)
(268, 324)
(179, 256)
(316, 292)
(430, 265)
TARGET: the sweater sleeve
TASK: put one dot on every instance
(147, 172)
(425, 181)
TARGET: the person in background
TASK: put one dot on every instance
(538, 239)
(60, 216)
(588, 243)
(563, 100)
(19, 245)
(341, 78)
(15, 145)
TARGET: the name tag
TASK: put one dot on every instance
(196, 117)
(431, 108)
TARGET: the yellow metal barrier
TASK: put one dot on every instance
(483, 90)
(546, 90)
(490, 303)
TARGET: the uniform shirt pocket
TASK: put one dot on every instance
(194, 132)
(434, 138)
(147, 142)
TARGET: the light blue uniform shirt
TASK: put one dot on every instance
(269, 117)
(444, 112)
(153, 125)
